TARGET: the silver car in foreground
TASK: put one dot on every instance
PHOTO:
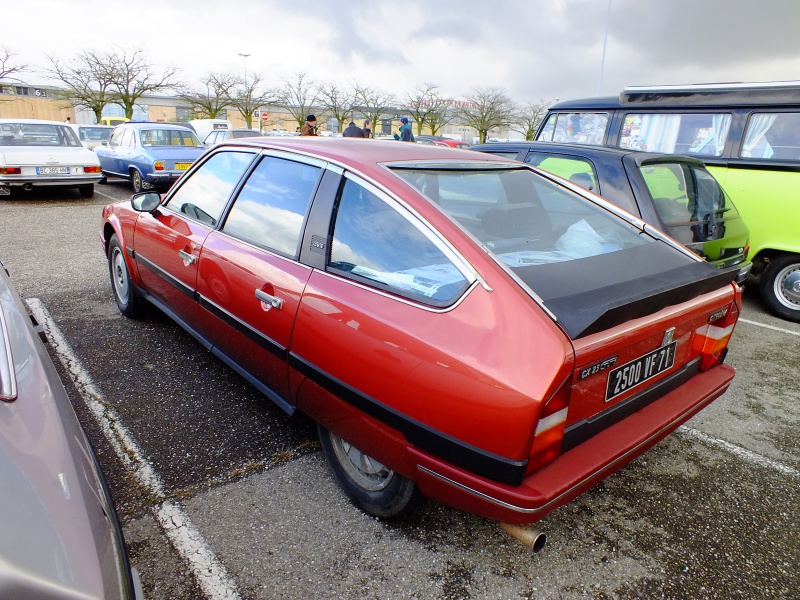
(59, 533)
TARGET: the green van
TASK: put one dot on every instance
(748, 135)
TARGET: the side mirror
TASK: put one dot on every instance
(146, 201)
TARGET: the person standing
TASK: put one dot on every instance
(353, 131)
(310, 126)
(404, 134)
(367, 129)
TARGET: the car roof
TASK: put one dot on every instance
(34, 121)
(365, 154)
(140, 124)
(582, 149)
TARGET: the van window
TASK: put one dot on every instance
(576, 128)
(690, 133)
(773, 136)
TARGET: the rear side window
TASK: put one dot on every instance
(689, 133)
(270, 210)
(203, 195)
(689, 201)
(774, 136)
(374, 243)
(578, 170)
(575, 128)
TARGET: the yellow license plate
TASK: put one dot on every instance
(182, 166)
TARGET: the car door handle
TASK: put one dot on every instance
(190, 258)
(273, 301)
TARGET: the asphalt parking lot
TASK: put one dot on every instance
(221, 495)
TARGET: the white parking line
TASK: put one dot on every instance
(105, 196)
(748, 455)
(209, 573)
(781, 329)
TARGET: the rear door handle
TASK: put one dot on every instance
(273, 301)
(190, 258)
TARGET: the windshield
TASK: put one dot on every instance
(524, 218)
(94, 134)
(36, 134)
(169, 137)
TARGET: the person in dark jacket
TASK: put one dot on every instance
(353, 130)
(404, 134)
(310, 126)
(367, 129)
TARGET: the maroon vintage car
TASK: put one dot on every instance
(458, 324)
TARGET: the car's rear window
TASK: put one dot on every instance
(523, 218)
(169, 137)
(36, 134)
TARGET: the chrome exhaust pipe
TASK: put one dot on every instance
(532, 538)
(27, 187)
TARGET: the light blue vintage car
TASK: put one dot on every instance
(150, 155)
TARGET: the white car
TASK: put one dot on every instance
(92, 136)
(36, 153)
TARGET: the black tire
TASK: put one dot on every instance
(86, 191)
(373, 487)
(780, 286)
(129, 304)
(136, 181)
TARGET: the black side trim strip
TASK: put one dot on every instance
(251, 379)
(461, 454)
(259, 338)
(169, 278)
(579, 432)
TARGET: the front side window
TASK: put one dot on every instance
(688, 200)
(202, 196)
(270, 210)
(773, 136)
(576, 128)
(374, 243)
(689, 133)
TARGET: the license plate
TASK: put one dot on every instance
(638, 371)
(182, 166)
(52, 170)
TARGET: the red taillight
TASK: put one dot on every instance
(91, 169)
(10, 171)
(158, 165)
(711, 340)
(550, 428)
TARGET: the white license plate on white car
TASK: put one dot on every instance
(52, 170)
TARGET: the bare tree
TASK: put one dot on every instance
(439, 115)
(374, 104)
(8, 69)
(529, 117)
(298, 98)
(420, 102)
(211, 103)
(132, 76)
(88, 78)
(248, 95)
(337, 101)
(486, 109)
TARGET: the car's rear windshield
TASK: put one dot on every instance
(590, 267)
(36, 134)
(523, 218)
(169, 137)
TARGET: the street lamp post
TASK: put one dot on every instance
(244, 56)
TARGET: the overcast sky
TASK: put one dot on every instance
(534, 49)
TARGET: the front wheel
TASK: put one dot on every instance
(136, 181)
(374, 487)
(129, 304)
(780, 286)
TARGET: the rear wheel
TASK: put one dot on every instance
(780, 286)
(136, 181)
(86, 191)
(374, 487)
(129, 304)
